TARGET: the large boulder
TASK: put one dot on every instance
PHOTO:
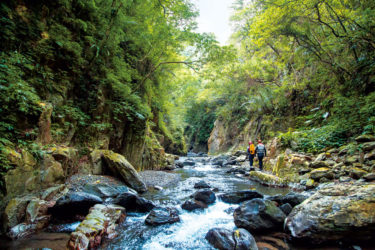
(244, 240)
(106, 190)
(191, 205)
(99, 223)
(292, 198)
(74, 203)
(160, 215)
(226, 239)
(24, 177)
(24, 216)
(120, 167)
(221, 238)
(15, 212)
(52, 171)
(240, 196)
(134, 203)
(258, 215)
(205, 196)
(336, 212)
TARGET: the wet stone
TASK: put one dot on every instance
(134, 203)
(191, 205)
(205, 196)
(201, 184)
(239, 196)
(286, 208)
(259, 215)
(159, 216)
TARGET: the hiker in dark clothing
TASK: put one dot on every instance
(261, 152)
(251, 154)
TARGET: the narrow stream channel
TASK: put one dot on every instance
(190, 232)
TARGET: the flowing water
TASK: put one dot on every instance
(190, 232)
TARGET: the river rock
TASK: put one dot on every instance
(14, 212)
(240, 153)
(368, 146)
(365, 138)
(201, 184)
(370, 156)
(267, 179)
(240, 196)
(241, 158)
(226, 239)
(99, 223)
(65, 154)
(106, 190)
(350, 159)
(244, 240)
(321, 157)
(205, 196)
(291, 198)
(161, 215)
(316, 174)
(258, 215)
(35, 209)
(369, 177)
(219, 160)
(120, 167)
(286, 208)
(189, 163)
(53, 193)
(357, 173)
(169, 167)
(74, 203)
(335, 212)
(319, 164)
(179, 164)
(221, 238)
(191, 205)
(21, 230)
(134, 203)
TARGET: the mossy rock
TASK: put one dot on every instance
(316, 174)
(357, 173)
(267, 179)
(365, 138)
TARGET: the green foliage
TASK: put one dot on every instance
(200, 117)
(314, 140)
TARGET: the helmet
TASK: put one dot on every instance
(250, 142)
(259, 141)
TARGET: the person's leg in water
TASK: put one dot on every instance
(251, 160)
(260, 159)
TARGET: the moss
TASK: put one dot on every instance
(267, 179)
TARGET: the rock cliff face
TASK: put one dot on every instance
(230, 136)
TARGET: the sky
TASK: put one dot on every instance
(214, 18)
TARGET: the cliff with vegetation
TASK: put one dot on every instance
(91, 75)
(300, 72)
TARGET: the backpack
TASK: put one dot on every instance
(252, 149)
(261, 149)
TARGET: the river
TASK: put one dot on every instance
(190, 232)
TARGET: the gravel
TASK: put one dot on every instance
(159, 178)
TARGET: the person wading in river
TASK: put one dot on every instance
(251, 154)
(261, 152)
